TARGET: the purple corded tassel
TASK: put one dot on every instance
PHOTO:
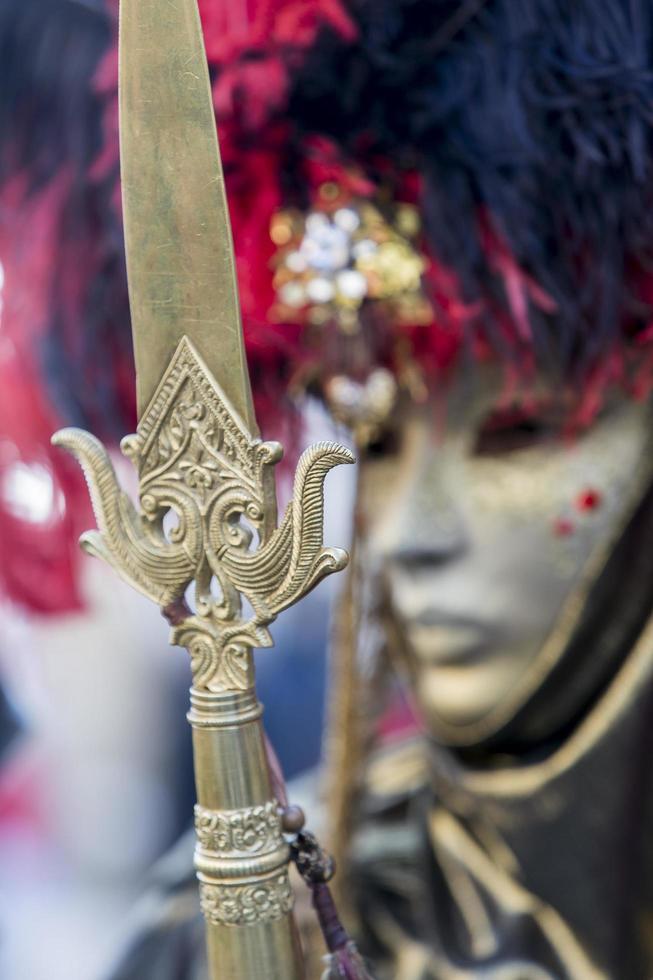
(346, 964)
(344, 961)
(316, 868)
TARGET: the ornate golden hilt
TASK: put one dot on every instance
(197, 462)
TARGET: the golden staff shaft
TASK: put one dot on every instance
(195, 457)
(241, 856)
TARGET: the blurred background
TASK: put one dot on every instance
(414, 186)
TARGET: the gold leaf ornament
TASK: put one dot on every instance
(208, 517)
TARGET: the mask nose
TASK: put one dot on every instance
(429, 528)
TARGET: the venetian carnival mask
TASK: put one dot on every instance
(486, 529)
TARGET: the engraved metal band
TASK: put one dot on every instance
(247, 903)
(226, 710)
(241, 860)
(237, 833)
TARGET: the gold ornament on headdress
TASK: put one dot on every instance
(343, 253)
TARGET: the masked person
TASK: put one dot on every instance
(505, 575)
(495, 826)
(442, 228)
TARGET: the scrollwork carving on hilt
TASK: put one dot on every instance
(208, 516)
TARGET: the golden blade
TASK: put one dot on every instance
(180, 261)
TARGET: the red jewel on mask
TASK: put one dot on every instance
(588, 500)
(563, 527)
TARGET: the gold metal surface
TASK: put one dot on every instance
(241, 856)
(180, 260)
(204, 544)
(196, 460)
